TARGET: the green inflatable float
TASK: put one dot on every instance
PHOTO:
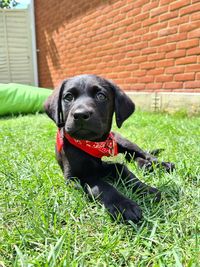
(21, 99)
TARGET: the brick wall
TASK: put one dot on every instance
(141, 45)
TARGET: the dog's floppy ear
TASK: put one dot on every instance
(53, 105)
(124, 106)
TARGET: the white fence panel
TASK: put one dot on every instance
(16, 60)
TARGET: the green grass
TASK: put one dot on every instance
(44, 222)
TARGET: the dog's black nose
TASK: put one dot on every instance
(81, 114)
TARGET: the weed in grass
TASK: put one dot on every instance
(44, 222)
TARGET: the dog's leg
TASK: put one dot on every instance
(117, 204)
(144, 159)
(120, 171)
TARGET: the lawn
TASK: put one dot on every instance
(45, 222)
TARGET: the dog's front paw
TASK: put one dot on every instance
(126, 208)
(168, 166)
(144, 164)
(148, 165)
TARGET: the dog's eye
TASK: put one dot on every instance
(101, 97)
(68, 97)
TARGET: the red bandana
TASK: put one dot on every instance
(106, 148)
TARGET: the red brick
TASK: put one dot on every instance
(167, 48)
(118, 4)
(139, 46)
(141, 31)
(188, 43)
(149, 36)
(134, 26)
(132, 53)
(131, 80)
(178, 21)
(153, 86)
(148, 79)
(133, 40)
(158, 11)
(125, 48)
(165, 2)
(192, 84)
(189, 26)
(120, 43)
(186, 60)
(154, 57)
(197, 76)
(175, 69)
(127, 21)
(140, 59)
(194, 34)
(191, 68)
(108, 46)
(115, 57)
(190, 9)
(131, 67)
(120, 30)
(138, 86)
(113, 13)
(119, 69)
(125, 61)
(195, 16)
(107, 58)
(193, 51)
(165, 63)
(110, 64)
(184, 77)
(117, 18)
(127, 87)
(139, 73)
(148, 65)
(126, 35)
(150, 21)
(106, 35)
(176, 54)
(141, 17)
(156, 71)
(158, 42)
(179, 4)
(140, 3)
(158, 26)
(150, 6)
(167, 31)
(119, 81)
(124, 75)
(113, 75)
(164, 78)
(177, 37)
(173, 85)
(168, 16)
(126, 8)
(149, 50)
(134, 12)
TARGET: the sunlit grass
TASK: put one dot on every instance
(44, 222)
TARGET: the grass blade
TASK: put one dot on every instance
(55, 251)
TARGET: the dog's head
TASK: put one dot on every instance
(84, 106)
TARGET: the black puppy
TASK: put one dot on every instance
(83, 108)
